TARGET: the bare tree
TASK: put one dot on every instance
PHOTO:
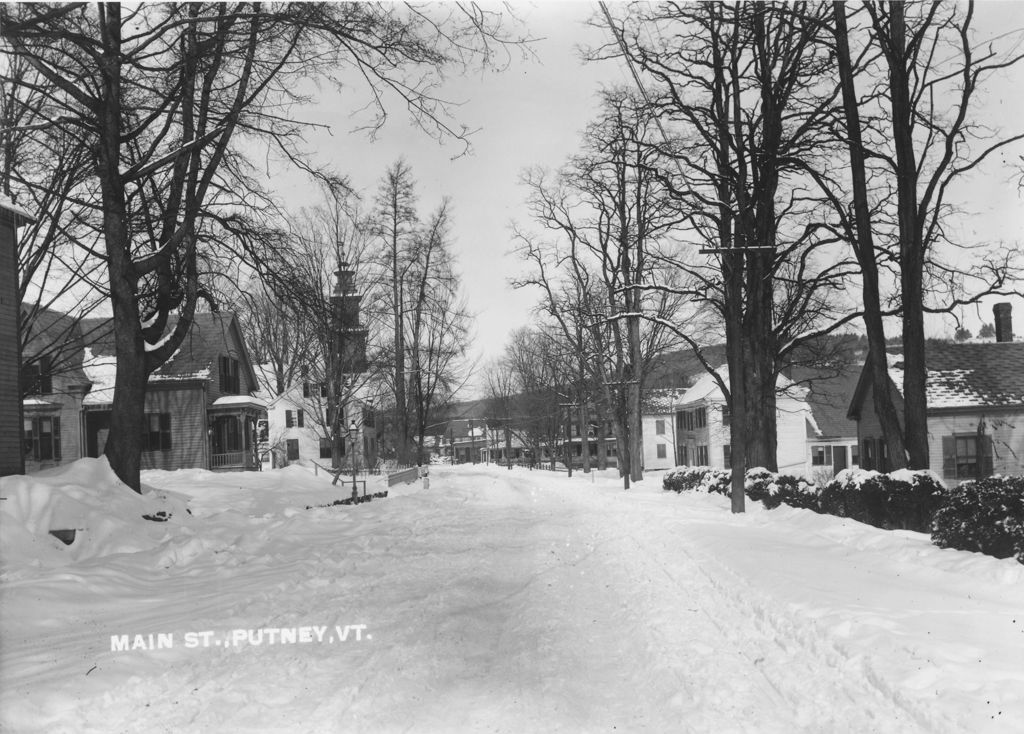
(737, 90)
(609, 217)
(157, 96)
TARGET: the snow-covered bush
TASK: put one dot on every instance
(697, 478)
(905, 500)
(773, 490)
(985, 516)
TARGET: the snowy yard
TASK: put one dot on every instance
(499, 601)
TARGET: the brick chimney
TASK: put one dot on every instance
(1004, 322)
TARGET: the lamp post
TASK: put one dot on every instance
(353, 431)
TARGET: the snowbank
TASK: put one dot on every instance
(85, 497)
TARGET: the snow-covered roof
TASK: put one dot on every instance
(239, 400)
(662, 401)
(706, 388)
(969, 374)
(7, 205)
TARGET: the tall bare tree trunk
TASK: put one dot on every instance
(864, 249)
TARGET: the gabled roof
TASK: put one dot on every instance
(58, 337)
(195, 359)
(963, 375)
(707, 388)
(828, 396)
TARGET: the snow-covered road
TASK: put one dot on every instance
(513, 601)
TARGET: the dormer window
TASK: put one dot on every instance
(230, 383)
(36, 378)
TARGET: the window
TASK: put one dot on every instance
(229, 380)
(293, 449)
(662, 453)
(702, 417)
(727, 456)
(323, 389)
(855, 455)
(42, 438)
(967, 456)
(305, 389)
(684, 455)
(659, 428)
(610, 451)
(821, 456)
(300, 419)
(36, 378)
(156, 432)
(702, 456)
(325, 448)
(289, 421)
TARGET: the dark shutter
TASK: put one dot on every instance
(984, 456)
(165, 431)
(301, 419)
(45, 376)
(305, 389)
(949, 457)
(56, 438)
(287, 419)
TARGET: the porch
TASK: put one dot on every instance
(233, 433)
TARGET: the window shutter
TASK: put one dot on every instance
(45, 378)
(301, 419)
(56, 437)
(305, 389)
(949, 457)
(984, 456)
(287, 419)
(165, 431)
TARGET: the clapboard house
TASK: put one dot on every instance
(975, 397)
(200, 409)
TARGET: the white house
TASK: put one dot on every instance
(298, 428)
(659, 427)
(700, 426)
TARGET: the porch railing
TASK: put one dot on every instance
(230, 459)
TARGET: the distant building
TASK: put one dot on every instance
(11, 422)
(975, 397)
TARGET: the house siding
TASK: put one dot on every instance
(652, 440)
(189, 440)
(64, 403)
(11, 460)
(1005, 427)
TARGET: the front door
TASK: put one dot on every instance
(838, 458)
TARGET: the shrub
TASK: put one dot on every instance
(697, 478)
(905, 500)
(776, 489)
(985, 516)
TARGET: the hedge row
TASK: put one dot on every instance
(985, 516)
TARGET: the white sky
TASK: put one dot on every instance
(532, 114)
